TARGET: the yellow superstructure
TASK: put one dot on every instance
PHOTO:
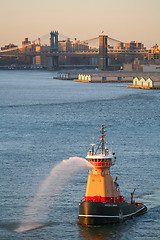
(101, 185)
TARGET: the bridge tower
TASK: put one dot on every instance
(103, 58)
(51, 41)
(54, 61)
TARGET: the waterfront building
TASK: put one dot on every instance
(152, 82)
(136, 66)
(151, 68)
(143, 82)
(67, 75)
(104, 77)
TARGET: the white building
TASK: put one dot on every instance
(151, 82)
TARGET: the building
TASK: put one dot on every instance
(72, 46)
(151, 68)
(66, 75)
(42, 59)
(9, 46)
(104, 77)
(130, 46)
(138, 67)
(135, 66)
(143, 82)
(152, 82)
(25, 43)
(153, 55)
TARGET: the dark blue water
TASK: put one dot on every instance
(44, 121)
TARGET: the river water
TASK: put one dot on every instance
(45, 121)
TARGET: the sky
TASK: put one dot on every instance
(125, 20)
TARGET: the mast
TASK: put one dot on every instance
(103, 137)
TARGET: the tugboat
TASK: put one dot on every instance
(103, 201)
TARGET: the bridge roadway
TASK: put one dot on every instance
(49, 54)
(74, 54)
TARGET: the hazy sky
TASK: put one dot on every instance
(125, 20)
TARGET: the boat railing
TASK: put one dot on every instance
(99, 172)
(107, 153)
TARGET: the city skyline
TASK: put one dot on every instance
(126, 21)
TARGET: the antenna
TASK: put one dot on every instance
(103, 137)
(93, 139)
(111, 147)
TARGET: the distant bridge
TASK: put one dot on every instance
(62, 47)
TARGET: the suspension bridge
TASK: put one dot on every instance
(56, 49)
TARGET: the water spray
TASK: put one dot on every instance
(51, 186)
